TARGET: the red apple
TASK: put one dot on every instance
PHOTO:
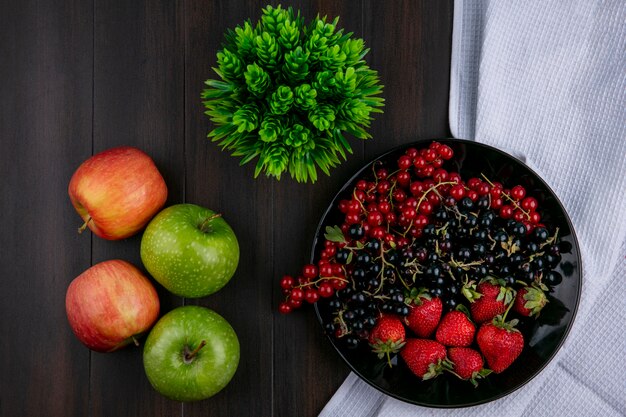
(117, 192)
(110, 305)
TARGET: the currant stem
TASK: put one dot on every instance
(508, 197)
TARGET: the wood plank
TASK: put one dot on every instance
(45, 132)
(307, 370)
(215, 180)
(138, 101)
(411, 46)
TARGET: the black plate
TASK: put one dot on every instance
(543, 337)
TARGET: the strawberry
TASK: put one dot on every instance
(530, 300)
(455, 329)
(424, 313)
(500, 342)
(488, 300)
(467, 364)
(425, 358)
(387, 336)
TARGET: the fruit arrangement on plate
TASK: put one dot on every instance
(447, 269)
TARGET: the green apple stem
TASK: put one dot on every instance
(190, 355)
(84, 226)
(204, 224)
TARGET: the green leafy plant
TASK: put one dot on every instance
(288, 92)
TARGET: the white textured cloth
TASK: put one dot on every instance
(546, 81)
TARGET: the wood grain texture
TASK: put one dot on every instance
(138, 101)
(80, 77)
(215, 180)
(45, 125)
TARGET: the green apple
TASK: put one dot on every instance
(191, 354)
(190, 250)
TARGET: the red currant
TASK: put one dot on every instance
(382, 173)
(375, 218)
(496, 203)
(473, 195)
(309, 271)
(454, 177)
(440, 175)
(325, 290)
(430, 155)
(354, 206)
(419, 162)
(361, 185)
(403, 178)
(410, 202)
(445, 152)
(295, 303)
(402, 241)
(434, 146)
(411, 152)
(483, 189)
(352, 218)
(378, 233)
(287, 282)
(343, 206)
(311, 296)
(437, 163)
(428, 170)
(339, 284)
(399, 195)
(506, 212)
(472, 183)
(338, 270)
(518, 216)
(416, 188)
(384, 207)
(457, 192)
(409, 213)
(534, 217)
(518, 192)
(426, 207)
(297, 294)
(405, 162)
(284, 308)
(326, 270)
(390, 238)
(383, 186)
(529, 204)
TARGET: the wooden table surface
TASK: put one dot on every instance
(78, 77)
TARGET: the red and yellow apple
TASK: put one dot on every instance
(110, 305)
(116, 192)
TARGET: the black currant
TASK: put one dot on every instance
(466, 204)
(363, 258)
(519, 229)
(356, 231)
(540, 234)
(352, 342)
(342, 256)
(373, 246)
(552, 278)
(482, 202)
